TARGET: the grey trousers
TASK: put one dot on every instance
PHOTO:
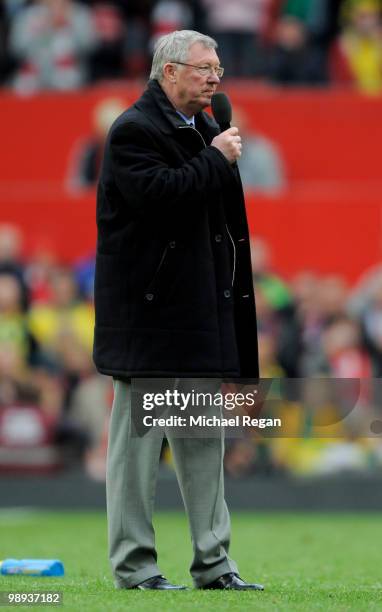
(132, 466)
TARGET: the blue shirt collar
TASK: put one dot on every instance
(188, 120)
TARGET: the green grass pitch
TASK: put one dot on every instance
(306, 561)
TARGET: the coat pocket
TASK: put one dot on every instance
(164, 277)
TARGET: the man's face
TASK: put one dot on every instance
(193, 89)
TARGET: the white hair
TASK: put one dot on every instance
(174, 47)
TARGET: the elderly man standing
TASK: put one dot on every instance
(174, 299)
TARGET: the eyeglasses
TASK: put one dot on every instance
(205, 70)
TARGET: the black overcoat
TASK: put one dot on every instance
(173, 284)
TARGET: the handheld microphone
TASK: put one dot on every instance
(222, 110)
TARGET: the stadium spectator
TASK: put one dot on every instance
(11, 245)
(30, 409)
(280, 335)
(51, 39)
(356, 57)
(269, 364)
(365, 304)
(34, 433)
(14, 331)
(261, 261)
(237, 27)
(276, 309)
(332, 297)
(14, 374)
(371, 318)
(293, 60)
(84, 271)
(363, 292)
(132, 53)
(64, 314)
(38, 269)
(319, 16)
(136, 54)
(22, 377)
(168, 16)
(344, 351)
(306, 294)
(106, 60)
(323, 316)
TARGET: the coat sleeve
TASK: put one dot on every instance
(145, 179)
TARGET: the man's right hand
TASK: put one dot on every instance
(229, 143)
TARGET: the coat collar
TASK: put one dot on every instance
(157, 107)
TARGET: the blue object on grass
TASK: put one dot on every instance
(32, 567)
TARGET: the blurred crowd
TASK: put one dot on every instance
(67, 44)
(54, 405)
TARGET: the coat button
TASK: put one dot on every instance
(218, 238)
(227, 293)
(172, 244)
(149, 297)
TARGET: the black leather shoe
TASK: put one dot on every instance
(158, 583)
(232, 582)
